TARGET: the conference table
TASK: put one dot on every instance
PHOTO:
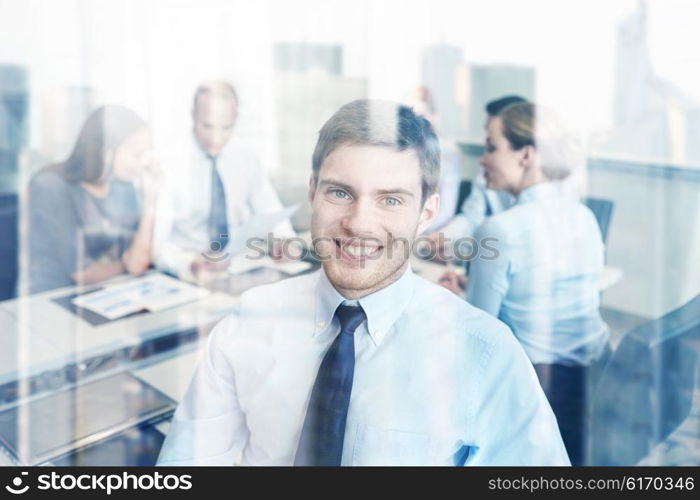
(48, 347)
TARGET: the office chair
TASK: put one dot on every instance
(465, 188)
(646, 389)
(8, 244)
(602, 209)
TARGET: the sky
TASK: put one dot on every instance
(149, 53)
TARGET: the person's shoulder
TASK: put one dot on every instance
(48, 177)
(48, 184)
(240, 150)
(503, 225)
(287, 293)
(462, 318)
(463, 330)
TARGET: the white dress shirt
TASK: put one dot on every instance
(436, 381)
(544, 282)
(182, 224)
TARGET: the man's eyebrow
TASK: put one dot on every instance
(396, 191)
(333, 182)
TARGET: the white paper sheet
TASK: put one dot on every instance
(153, 293)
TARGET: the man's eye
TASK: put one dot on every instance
(392, 202)
(340, 194)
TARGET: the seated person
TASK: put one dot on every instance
(542, 281)
(363, 362)
(481, 202)
(87, 221)
(211, 188)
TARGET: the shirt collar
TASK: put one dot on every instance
(382, 307)
(201, 155)
(547, 189)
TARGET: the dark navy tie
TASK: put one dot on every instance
(218, 222)
(321, 441)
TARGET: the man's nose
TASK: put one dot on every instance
(361, 219)
(216, 138)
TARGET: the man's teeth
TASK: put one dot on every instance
(359, 251)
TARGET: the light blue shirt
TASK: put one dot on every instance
(480, 204)
(544, 283)
(436, 381)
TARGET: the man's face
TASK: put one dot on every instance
(366, 212)
(214, 118)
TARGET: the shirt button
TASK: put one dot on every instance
(377, 333)
(320, 324)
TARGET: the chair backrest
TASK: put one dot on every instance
(646, 389)
(465, 188)
(602, 209)
(8, 244)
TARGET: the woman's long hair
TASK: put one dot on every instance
(105, 130)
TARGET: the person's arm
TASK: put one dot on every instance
(167, 254)
(489, 279)
(98, 271)
(473, 213)
(263, 198)
(137, 258)
(513, 422)
(209, 427)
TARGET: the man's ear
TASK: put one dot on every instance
(527, 157)
(428, 212)
(312, 189)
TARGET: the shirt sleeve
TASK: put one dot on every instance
(209, 427)
(263, 198)
(489, 272)
(514, 423)
(167, 254)
(473, 213)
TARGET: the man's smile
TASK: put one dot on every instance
(355, 249)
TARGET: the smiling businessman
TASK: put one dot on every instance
(363, 362)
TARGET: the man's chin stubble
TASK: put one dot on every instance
(356, 291)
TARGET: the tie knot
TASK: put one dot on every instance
(350, 317)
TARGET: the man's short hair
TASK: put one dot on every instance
(367, 122)
(497, 105)
(215, 88)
